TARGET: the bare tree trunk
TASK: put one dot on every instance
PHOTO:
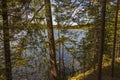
(8, 71)
(73, 62)
(54, 72)
(84, 67)
(102, 39)
(63, 64)
(59, 49)
(96, 34)
(114, 41)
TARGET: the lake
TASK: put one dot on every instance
(37, 66)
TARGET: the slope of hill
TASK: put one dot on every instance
(106, 72)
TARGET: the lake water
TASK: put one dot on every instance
(37, 67)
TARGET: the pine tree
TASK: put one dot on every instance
(115, 35)
(102, 38)
(52, 52)
(7, 52)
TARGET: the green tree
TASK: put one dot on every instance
(102, 38)
(53, 68)
(115, 36)
(7, 52)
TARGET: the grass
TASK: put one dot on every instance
(106, 72)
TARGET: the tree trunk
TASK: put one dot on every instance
(59, 49)
(96, 35)
(63, 62)
(8, 70)
(54, 73)
(114, 41)
(102, 39)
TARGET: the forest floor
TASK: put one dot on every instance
(106, 72)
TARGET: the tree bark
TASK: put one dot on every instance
(59, 46)
(114, 41)
(63, 62)
(96, 31)
(8, 69)
(102, 39)
(54, 71)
